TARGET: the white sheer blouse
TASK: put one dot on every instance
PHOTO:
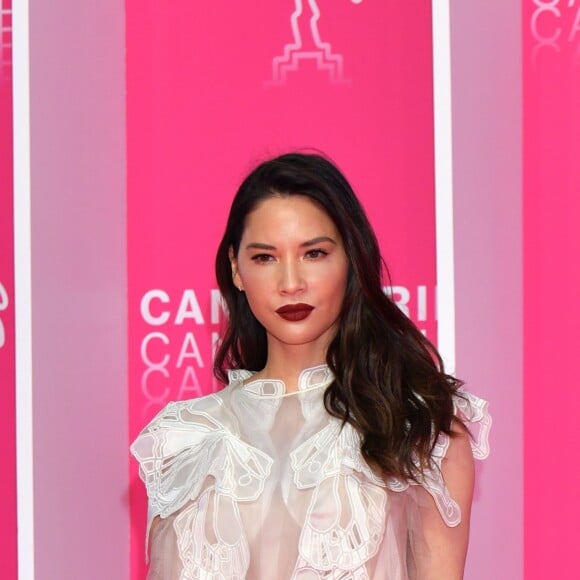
(255, 483)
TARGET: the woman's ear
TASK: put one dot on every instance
(235, 274)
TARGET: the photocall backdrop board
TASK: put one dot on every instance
(8, 554)
(213, 89)
(551, 123)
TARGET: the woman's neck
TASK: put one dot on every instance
(286, 362)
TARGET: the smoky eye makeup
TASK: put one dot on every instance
(315, 253)
(262, 258)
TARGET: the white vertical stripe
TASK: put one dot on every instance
(22, 284)
(444, 181)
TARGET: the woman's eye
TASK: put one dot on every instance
(262, 258)
(316, 253)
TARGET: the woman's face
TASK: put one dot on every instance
(293, 268)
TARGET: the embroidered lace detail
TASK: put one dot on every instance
(474, 413)
(251, 474)
(228, 557)
(333, 450)
(326, 543)
(344, 524)
(309, 379)
(184, 446)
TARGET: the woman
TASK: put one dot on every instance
(339, 448)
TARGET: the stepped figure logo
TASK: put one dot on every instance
(5, 39)
(307, 45)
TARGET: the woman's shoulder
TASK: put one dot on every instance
(187, 442)
(189, 413)
(474, 420)
(182, 428)
(450, 474)
(206, 413)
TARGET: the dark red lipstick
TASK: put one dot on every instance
(295, 312)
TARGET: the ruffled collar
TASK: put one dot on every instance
(310, 379)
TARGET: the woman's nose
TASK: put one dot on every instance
(291, 278)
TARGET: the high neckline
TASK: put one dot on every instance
(309, 379)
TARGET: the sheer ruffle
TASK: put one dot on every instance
(474, 413)
(185, 445)
(250, 483)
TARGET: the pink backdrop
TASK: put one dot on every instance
(200, 89)
(551, 65)
(7, 390)
(215, 87)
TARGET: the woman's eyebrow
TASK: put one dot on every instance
(259, 246)
(317, 240)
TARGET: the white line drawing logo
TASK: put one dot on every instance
(5, 40)
(549, 28)
(3, 306)
(307, 45)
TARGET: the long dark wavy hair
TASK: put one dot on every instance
(389, 382)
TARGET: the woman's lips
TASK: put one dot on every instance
(295, 312)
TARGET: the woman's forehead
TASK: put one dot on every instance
(292, 215)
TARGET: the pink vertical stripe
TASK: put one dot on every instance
(552, 287)
(215, 87)
(488, 266)
(8, 554)
(77, 147)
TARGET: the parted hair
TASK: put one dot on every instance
(389, 381)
